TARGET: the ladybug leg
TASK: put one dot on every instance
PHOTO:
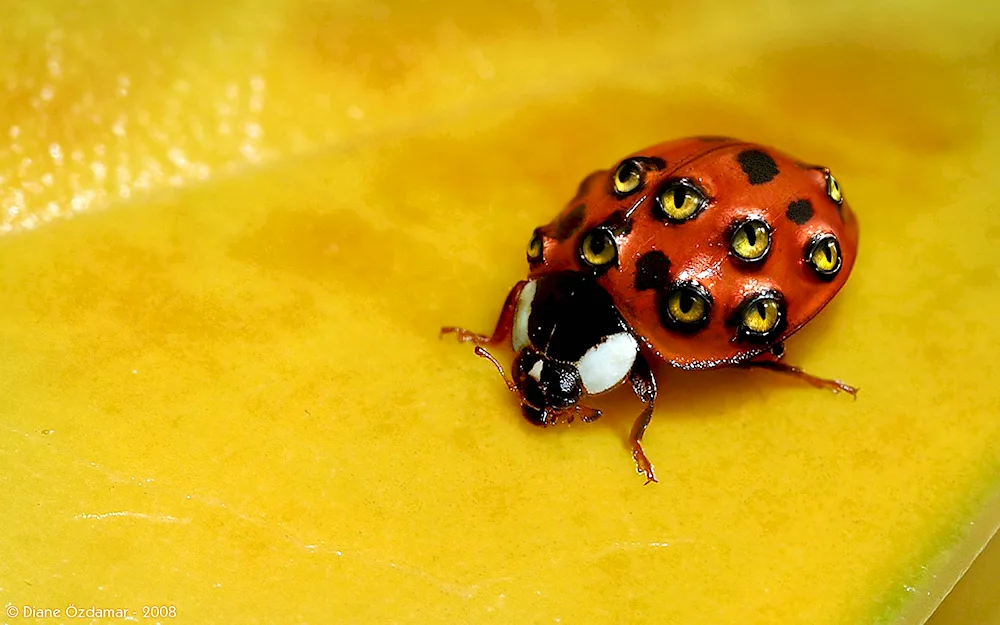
(504, 323)
(565, 416)
(834, 385)
(587, 414)
(644, 386)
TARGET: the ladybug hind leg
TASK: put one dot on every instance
(644, 386)
(769, 361)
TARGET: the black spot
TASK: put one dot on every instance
(800, 211)
(567, 225)
(759, 167)
(652, 271)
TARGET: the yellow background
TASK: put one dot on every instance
(222, 384)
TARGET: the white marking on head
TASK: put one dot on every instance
(536, 371)
(606, 364)
(519, 333)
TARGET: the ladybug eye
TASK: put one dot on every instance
(535, 248)
(598, 248)
(823, 255)
(761, 316)
(751, 240)
(833, 189)
(687, 306)
(678, 202)
(628, 177)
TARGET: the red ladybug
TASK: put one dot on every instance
(702, 252)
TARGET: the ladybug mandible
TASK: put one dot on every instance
(702, 252)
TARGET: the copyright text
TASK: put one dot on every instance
(91, 612)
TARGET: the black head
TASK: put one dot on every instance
(545, 385)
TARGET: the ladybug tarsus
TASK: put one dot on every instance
(588, 414)
(642, 464)
(465, 336)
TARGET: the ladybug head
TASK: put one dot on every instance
(547, 387)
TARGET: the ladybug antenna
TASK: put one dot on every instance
(488, 356)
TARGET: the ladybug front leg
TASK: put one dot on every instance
(565, 416)
(644, 386)
(504, 323)
(769, 361)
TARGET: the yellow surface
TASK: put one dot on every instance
(223, 388)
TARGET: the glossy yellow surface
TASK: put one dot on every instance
(223, 388)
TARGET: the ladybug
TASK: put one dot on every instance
(701, 252)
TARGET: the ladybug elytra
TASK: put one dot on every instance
(702, 252)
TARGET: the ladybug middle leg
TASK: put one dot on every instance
(769, 361)
(504, 323)
(644, 386)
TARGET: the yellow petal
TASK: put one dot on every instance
(221, 383)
